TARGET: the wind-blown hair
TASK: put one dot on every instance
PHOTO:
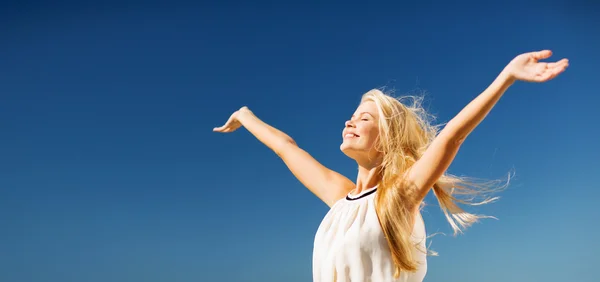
(405, 132)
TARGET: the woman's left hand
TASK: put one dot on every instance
(526, 67)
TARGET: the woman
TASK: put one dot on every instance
(374, 230)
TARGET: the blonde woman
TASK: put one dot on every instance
(374, 230)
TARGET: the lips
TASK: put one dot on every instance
(350, 135)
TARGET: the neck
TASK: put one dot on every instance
(368, 177)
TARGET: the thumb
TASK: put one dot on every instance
(540, 55)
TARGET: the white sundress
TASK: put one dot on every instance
(350, 244)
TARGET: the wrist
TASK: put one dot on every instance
(243, 114)
(506, 77)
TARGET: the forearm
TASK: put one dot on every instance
(471, 116)
(270, 136)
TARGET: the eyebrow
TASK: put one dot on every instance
(362, 113)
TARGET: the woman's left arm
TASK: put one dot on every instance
(441, 152)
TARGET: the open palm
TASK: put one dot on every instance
(527, 67)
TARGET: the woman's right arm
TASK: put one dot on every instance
(326, 184)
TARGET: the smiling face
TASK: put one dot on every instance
(361, 133)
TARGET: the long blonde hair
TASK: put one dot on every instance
(405, 132)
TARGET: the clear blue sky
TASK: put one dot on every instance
(110, 171)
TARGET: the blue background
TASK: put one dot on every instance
(110, 171)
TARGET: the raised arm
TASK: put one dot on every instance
(326, 184)
(441, 152)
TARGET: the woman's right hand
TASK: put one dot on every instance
(233, 123)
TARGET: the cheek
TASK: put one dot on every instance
(374, 137)
(370, 136)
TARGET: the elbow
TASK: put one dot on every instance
(452, 138)
(453, 135)
(458, 140)
(283, 146)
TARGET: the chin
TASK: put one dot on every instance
(345, 148)
(348, 151)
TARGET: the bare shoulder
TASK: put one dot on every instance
(327, 184)
(341, 187)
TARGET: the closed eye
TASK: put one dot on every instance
(363, 116)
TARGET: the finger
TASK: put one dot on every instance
(549, 74)
(540, 55)
(557, 68)
(227, 124)
(560, 64)
(220, 129)
(232, 128)
(544, 77)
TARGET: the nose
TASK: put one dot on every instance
(349, 123)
